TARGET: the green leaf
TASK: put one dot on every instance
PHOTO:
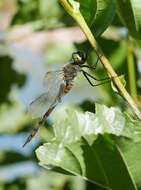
(130, 13)
(131, 155)
(92, 146)
(98, 14)
(88, 10)
(104, 16)
(116, 51)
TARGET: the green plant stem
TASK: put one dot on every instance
(76, 14)
(131, 71)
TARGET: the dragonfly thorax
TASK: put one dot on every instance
(70, 71)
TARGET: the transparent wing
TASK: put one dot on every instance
(52, 82)
(52, 78)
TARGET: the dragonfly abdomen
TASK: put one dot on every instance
(68, 87)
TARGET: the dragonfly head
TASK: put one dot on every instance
(79, 57)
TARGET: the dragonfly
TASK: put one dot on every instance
(58, 83)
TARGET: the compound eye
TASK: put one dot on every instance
(79, 57)
(74, 55)
(83, 55)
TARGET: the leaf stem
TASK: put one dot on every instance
(76, 14)
(131, 71)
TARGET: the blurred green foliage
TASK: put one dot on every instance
(9, 76)
(26, 10)
(41, 14)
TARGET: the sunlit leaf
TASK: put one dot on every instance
(86, 144)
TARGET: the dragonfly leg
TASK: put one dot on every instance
(87, 77)
(95, 64)
(91, 67)
(106, 78)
